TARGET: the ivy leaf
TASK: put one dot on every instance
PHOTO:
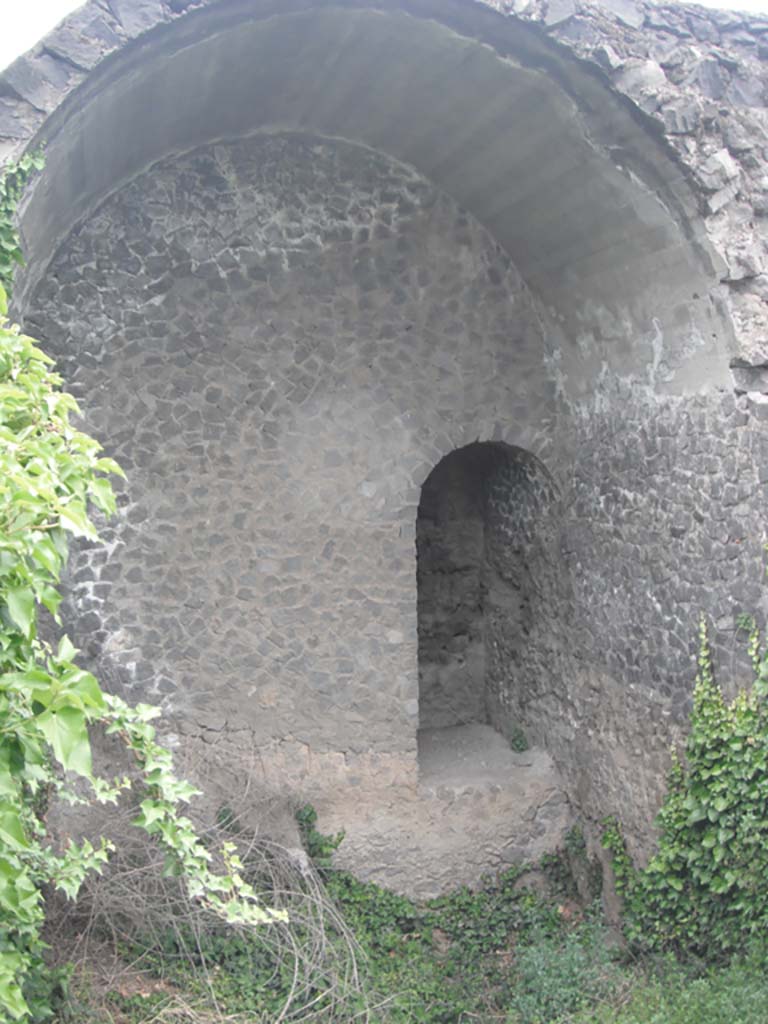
(102, 494)
(152, 814)
(18, 894)
(11, 998)
(172, 867)
(67, 733)
(11, 829)
(698, 813)
(21, 607)
(3, 301)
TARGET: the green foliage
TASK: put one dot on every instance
(558, 976)
(568, 978)
(706, 889)
(50, 476)
(246, 977)
(48, 473)
(449, 957)
(669, 993)
(613, 841)
(318, 846)
(571, 874)
(500, 953)
(437, 962)
(13, 179)
(518, 741)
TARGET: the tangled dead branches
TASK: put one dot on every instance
(134, 931)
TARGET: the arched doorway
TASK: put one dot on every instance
(486, 542)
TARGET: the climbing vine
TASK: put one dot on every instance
(51, 476)
(706, 889)
(13, 178)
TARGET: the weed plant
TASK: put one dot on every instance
(705, 893)
(501, 952)
(672, 993)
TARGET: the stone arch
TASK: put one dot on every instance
(216, 316)
(572, 182)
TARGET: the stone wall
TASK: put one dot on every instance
(663, 521)
(271, 337)
(528, 618)
(281, 337)
(700, 75)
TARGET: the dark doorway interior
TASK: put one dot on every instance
(450, 544)
(483, 535)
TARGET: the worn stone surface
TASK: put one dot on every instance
(479, 807)
(700, 74)
(526, 592)
(450, 547)
(593, 209)
(663, 523)
(547, 230)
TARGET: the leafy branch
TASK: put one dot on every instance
(706, 889)
(13, 179)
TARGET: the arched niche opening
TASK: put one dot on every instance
(487, 561)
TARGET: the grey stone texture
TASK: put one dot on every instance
(293, 255)
(306, 306)
(525, 593)
(479, 808)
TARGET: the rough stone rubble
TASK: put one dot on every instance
(702, 76)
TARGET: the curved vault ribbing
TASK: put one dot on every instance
(568, 177)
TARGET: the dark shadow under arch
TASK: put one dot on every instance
(487, 530)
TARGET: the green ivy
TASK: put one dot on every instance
(13, 180)
(463, 957)
(320, 848)
(448, 959)
(706, 889)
